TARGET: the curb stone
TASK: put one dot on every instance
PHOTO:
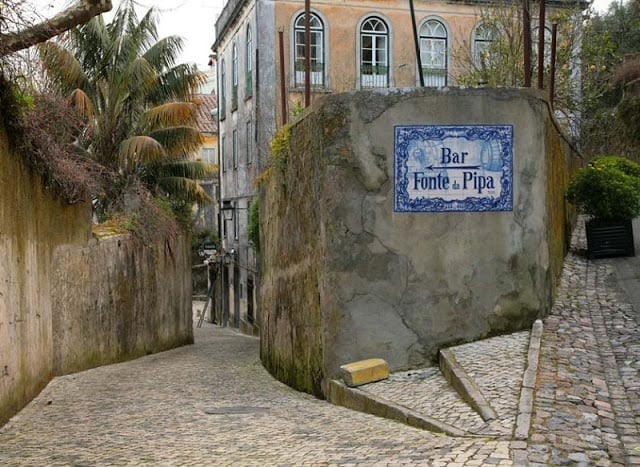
(353, 398)
(464, 384)
(525, 404)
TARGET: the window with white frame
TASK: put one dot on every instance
(249, 63)
(223, 157)
(547, 46)
(234, 76)
(483, 36)
(234, 149)
(223, 89)
(249, 142)
(208, 154)
(374, 53)
(236, 223)
(316, 54)
(433, 53)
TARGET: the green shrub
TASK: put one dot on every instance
(254, 223)
(607, 189)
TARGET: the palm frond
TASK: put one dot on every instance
(163, 54)
(82, 103)
(141, 77)
(170, 114)
(91, 43)
(184, 189)
(62, 67)
(179, 141)
(194, 170)
(140, 150)
(146, 31)
(178, 83)
(141, 121)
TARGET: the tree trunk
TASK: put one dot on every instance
(79, 13)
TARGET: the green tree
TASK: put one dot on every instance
(136, 101)
(611, 69)
(499, 59)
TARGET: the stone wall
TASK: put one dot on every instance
(115, 300)
(68, 302)
(347, 278)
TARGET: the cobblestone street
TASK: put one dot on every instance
(189, 406)
(587, 406)
(212, 403)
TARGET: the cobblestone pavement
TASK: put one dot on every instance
(416, 390)
(498, 375)
(587, 405)
(212, 403)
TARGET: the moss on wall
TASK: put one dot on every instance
(561, 161)
(135, 302)
(58, 289)
(345, 277)
(33, 222)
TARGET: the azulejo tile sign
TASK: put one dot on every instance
(441, 168)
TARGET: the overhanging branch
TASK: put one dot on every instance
(79, 13)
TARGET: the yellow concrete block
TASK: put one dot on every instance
(364, 371)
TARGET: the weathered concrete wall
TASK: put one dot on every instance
(32, 224)
(347, 278)
(68, 302)
(119, 301)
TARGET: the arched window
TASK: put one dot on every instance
(316, 54)
(249, 63)
(234, 77)
(374, 53)
(483, 37)
(433, 53)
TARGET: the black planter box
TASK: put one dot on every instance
(609, 239)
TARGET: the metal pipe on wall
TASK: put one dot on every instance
(526, 40)
(307, 53)
(283, 87)
(552, 70)
(541, 34)
(417, 42)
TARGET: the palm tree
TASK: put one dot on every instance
(135, 99)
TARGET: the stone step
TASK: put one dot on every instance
(478, 391)
(494, 368)
(427, 392)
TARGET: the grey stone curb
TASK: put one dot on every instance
(355, 399)
(525, 405)
(464, 384)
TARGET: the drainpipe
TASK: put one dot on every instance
(552, 71)
(307, 53)
(526, 39)
(541, 34)
(417, 42)
(283, 87)
(214, 307)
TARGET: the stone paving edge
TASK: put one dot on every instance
(465, 386)
(525, 404)
(353, 398)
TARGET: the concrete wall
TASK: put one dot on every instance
(114, 300)
(68, 302)
(32, 224)
(346, 277)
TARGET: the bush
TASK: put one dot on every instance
(254, 223)
(607, 189)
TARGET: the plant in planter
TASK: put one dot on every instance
(608, 191)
